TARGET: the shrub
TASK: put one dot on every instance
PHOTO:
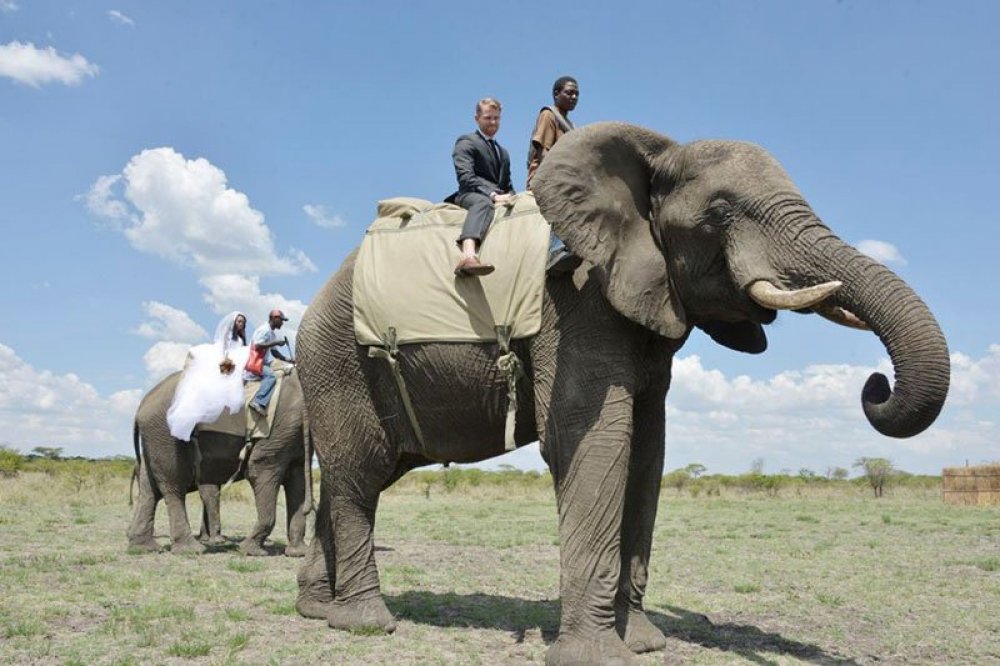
(11, 462)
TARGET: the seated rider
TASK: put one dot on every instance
(483, 169)
(266, 338)
(208, 384)
(552, 123)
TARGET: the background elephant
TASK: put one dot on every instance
(166, 469)
(711, 234)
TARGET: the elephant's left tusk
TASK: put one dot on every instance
(839, 315)
(769, 296)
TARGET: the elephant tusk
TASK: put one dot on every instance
(839, 315)
(769, 296)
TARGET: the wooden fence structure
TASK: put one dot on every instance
(972, 486)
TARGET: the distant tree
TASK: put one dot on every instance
(50, 452)
(757, 466)
(877, 471)
(836, 473)
(807, 474)
(677, 479)
(695, 470)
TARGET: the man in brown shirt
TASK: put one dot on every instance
(553, 121)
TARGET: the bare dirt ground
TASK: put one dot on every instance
(473, 578)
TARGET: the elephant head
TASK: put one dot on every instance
(714, 234)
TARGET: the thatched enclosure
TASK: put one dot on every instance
(972, 486)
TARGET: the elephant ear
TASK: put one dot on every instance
(594, 189)
(742, 336)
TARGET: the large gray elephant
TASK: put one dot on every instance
(166, 470)
(711, 234)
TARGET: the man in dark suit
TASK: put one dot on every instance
(483, 169)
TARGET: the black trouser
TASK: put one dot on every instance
(479, 217)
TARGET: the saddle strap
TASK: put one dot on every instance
(510, 369)
(390, 353)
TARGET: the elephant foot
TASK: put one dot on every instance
(215, 540)
(143, 545)
(311, 608)
(601, 647)
(187, 546)
(362, 616)
(639, 634)
(252, 548)
(296, 549)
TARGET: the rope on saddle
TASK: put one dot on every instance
(390, 352)
(512, 370)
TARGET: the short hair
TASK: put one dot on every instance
(561, 83)
(488, 102)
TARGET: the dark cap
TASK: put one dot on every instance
(277, 313)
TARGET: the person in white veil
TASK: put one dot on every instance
(212, 379)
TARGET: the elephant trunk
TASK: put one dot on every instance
(905, 326)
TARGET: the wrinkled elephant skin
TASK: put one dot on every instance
(166, 470)
(673, 237)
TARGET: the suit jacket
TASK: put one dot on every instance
(477, 168)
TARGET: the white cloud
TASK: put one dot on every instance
(185, 212)
(40, 408)
(886, 253)
(813, 418)
(169, 323)
(101, 201)
(25, 63)
(239, 292)
(321, 218)
(165, 357)
(119, 18)
(8, 6)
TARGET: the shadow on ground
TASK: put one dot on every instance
(520, 616)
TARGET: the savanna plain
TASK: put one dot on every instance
(814, 573)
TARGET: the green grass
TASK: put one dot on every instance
(246, 565)
(746, 588)
(471, 570)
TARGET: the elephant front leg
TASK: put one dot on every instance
(590, 466)
(642, 495)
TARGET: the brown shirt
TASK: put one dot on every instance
(548, 130)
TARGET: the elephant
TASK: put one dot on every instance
(166, 469)
(711, 235)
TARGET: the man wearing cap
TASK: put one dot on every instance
(266, 338)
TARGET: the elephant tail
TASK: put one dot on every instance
(307, 444)
(135, 470)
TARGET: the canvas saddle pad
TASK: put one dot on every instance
(247, 423)
(404, 276)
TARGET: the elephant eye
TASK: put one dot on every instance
(718, 214)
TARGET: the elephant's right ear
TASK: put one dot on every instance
(594, 189)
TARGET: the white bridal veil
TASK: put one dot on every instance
(204, 390)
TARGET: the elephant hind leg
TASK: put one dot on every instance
(316, 576)
(181, 538)
(140, 531)
(295, 505)
(265, 493)
(211, 522)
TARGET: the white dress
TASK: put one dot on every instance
(203, 391)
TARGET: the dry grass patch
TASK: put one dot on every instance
(472, 573)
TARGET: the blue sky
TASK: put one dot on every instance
(165, 163)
